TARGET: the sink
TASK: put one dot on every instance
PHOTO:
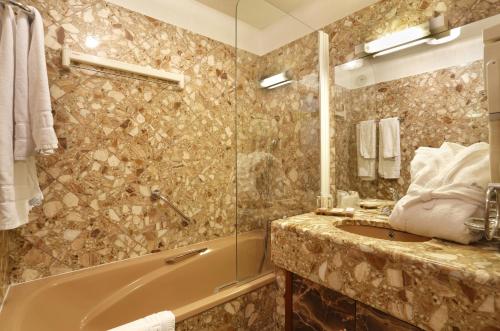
(382, 233)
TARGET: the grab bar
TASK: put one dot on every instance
(156, 195)
(186, 255)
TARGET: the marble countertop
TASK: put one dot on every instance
(391, 275)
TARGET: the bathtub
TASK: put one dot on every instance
(103, 297)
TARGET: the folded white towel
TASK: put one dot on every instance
(390, 137)
(368, 139)
(8, 212)
(162, 321)
(23, 142)
(40, 108)
(448, 185)
(366, 167)
(389, 166)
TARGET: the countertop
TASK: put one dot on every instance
(434, 284)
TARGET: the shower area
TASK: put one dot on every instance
(176, 181)
(277, 124)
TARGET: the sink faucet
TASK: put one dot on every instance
(492, 212)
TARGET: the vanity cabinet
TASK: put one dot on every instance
(317, 308)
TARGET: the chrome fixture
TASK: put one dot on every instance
(490, 224)
(492, 212)
(275, 81)
(266, 247)
(185, 255)
(433, 32)
(20, 6)
(156, 195)
(387, 210)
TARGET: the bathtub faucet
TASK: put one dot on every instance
(156, 195)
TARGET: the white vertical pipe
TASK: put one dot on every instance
(324, 96)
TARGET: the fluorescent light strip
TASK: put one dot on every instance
(400, 48)
(398, 38)
(273, 80)
(450, 36)
(279, 84)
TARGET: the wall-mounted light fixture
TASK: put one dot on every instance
(352, 65)
(275, 80)
(445, 37)
(413, 36)
(92, 42)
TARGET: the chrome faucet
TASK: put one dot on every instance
(492, 212)
(489, 225)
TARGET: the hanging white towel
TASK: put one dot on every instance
(390, 136)
(23, 143)
(368, 139)
(162, 321)
(447, 187)
(389, 166)
(366, 167)
(42, 122)
(8, 212)
(19, 188)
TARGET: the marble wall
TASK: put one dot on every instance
(434, 107)
(252, 311)
(122, 136)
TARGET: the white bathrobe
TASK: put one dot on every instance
(8, 212)
(20, 190)
(40, 109)
(448, 186)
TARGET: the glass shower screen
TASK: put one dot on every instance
(277, 125)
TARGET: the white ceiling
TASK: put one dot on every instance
(257, 13)
(263, 25)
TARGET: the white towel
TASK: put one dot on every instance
(40, 108)
(389, 166)
(447, 188)
(162, 321)
(368, 139)
(366, 167)
(390, 136)
(23, 143)
(19, 188)
(8, 212)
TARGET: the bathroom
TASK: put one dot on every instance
(198, 142)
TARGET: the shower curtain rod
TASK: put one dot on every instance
(19, 5)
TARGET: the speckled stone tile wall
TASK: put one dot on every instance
(252, 311)
(434, 107)
(387, 16)
(4, 263)
(121, 136)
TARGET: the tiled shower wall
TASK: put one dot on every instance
(120, 137)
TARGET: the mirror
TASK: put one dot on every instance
(437, 92)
